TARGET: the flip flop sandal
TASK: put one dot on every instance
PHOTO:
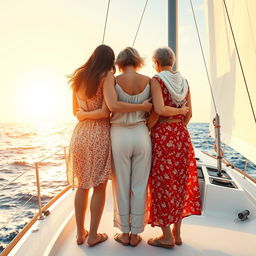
(117, 238)
(157, 243)
(103, 238)
(139, 240)
(79, 242)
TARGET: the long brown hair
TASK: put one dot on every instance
(89, 75)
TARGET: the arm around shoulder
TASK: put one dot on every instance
(158, 101)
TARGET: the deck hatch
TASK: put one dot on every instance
(214, 172)
(222, 182)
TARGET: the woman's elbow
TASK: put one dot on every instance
(105, 114)
(159, 111)
(113, 108)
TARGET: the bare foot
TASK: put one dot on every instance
(94, 240)
(165, 240)
(176, 237)
(161, 242)
(135, 239)
(122, 238)
(81, 236)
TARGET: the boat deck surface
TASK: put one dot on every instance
(202, 236)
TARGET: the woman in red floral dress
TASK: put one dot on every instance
(173, 183)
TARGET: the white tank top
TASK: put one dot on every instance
(129, 118)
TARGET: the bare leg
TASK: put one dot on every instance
(167, 236)
(176, 233)
(81, 200)
(97, 206)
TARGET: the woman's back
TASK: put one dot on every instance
(134, 88)
(132, 83)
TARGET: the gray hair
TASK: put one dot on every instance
(165, 56)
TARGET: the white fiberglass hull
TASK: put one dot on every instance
(216, 232)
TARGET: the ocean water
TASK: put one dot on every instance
(21, 145)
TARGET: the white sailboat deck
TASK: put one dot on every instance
(217, 232)
(202, 235)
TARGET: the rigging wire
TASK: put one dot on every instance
(106, 20)
(32, 166)
(203, 55)
(140, 23)
(2, 188)
(240, 62)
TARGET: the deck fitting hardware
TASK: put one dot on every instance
(243, 215)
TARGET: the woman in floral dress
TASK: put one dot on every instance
(173, 183)
(89, 164)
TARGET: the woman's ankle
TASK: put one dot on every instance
(176, 231)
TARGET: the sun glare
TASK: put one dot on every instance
(41, 97)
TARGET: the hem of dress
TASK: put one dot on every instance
(92, 186)
(167, 225)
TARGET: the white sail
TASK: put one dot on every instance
(238, 128)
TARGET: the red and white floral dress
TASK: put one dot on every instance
(173, 184)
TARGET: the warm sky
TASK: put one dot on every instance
(43, 41)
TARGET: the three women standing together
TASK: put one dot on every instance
(113, 116)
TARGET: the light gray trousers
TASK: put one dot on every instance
(131, 148)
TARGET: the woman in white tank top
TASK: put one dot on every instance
(131, 148)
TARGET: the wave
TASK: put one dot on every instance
(49, 164)
(21, 163)
(22, 135)
(6, 171)
(23, 148)
(24, 197)
(7, 206)
(26, 164)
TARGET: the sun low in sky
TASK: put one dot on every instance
(44, 41)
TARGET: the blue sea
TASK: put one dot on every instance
(21, 145)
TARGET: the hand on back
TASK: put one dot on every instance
(184, 109)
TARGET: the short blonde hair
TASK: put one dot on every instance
(129, 57)
(165, 56)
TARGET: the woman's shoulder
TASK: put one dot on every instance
(110, 74)
(109, 77)
(145, 78)
(156, 78)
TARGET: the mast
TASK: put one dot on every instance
(173, 27)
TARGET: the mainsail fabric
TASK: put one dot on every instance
(238, 128)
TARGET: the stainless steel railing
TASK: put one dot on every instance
(36, 165)
(38, 178)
